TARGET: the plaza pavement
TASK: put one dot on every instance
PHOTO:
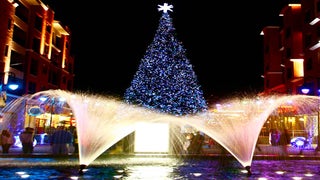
(266, 152)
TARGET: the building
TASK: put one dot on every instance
(35, 49)
(292, 61)
(36, 55)
(291, 51)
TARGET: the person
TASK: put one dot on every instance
(60, 141)
(196, 144)
(7, 140)
(26, 139)
(284, 141)
(211, 143)
(274, 137)
(185, 140)
(73, 131)
(75, 142)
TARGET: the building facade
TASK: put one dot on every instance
(35, 54)
(291, 51)
(35, 49)
(292, 64)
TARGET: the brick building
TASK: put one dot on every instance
(35, 49)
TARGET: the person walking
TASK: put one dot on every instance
(26, 139)
(7, 141)
(60, 141)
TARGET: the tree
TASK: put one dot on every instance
(165, 80)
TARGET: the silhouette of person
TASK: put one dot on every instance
(274, 137)
(75, 141)
(284, 141)
(26, 139)
(196, 144)
(7, 141)
(60, 141)
(73, 131)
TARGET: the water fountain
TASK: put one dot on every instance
(103, 121)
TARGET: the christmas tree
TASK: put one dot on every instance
(165, 80)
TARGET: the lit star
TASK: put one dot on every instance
(165, 7)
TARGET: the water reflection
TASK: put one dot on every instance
(156, 168)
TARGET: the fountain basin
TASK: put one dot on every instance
(155, 167)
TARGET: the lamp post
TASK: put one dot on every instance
(3, 87)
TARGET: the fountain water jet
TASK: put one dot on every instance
(103, 121)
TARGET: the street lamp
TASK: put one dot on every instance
(305, 91)
(4, 85)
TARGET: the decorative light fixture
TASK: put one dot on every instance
(305, 90)
(13, 86)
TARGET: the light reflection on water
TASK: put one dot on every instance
(156, 168)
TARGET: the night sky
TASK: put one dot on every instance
(222, 40)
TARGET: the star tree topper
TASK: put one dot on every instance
(165, 7)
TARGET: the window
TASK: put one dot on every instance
(17, 60)
(55, 59)
(56, 41)
(6, 51)
(19, 36)
(22, 12)
(48, 28)
(36, 45)
(38, 23)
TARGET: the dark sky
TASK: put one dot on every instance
(109, 38)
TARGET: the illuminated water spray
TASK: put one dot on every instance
(103, 121)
